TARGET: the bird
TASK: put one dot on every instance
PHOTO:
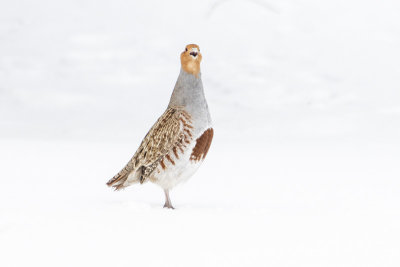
(177, 144)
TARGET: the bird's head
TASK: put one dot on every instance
(191, 58)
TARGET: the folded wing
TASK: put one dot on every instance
(166, 134)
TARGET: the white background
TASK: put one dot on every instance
(304, 166)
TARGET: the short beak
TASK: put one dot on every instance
(194, 51)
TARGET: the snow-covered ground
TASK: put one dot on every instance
(304, 169)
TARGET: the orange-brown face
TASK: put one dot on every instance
(191, 58)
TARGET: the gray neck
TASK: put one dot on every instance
(188, 91)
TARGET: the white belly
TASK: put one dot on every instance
(179, 172)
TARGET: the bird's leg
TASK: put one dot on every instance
(168, 203)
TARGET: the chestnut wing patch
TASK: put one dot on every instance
(202, 145)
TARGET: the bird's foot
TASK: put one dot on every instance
(169, 206)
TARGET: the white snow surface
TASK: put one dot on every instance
(304, 168)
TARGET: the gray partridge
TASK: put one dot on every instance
(178, 142)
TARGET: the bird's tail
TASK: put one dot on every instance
(123, 179)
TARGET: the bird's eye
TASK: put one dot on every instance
(185, 49)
